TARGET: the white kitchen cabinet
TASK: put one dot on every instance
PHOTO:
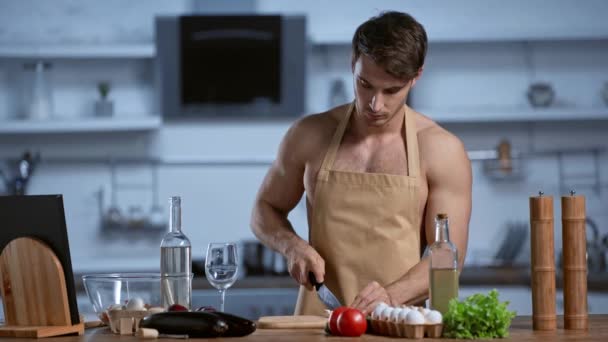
(456, 21)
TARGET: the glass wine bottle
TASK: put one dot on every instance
(175, 261)
(443, 266)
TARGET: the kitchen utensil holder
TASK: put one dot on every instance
(34, 291)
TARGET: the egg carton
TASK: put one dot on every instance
(394, 329)
(126, 322)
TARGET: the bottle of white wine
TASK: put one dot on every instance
(175, 261)
(443, 258)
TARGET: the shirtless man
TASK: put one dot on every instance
(375, 173)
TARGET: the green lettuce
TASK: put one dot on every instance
(478, 316)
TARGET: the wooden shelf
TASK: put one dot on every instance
(147, 123)
(525, 114)
(78, 51)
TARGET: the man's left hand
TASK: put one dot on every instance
(370, 296)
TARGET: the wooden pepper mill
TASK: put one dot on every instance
(542, 263)
(574, 265)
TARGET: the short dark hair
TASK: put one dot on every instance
(395, 41)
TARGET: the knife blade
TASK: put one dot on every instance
(325, 295)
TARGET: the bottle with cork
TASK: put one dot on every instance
(443, 260)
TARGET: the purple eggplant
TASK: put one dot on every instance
(199, 324)
(193, 324)
(237, 326)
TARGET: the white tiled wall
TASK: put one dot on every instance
(217, 200)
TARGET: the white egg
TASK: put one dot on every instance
(433, 317)
(414, 317)
(423, 311)
(376, 314)
(386, 313)
(395, 315)
(135, 304)
(402, 315)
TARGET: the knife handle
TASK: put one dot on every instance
(313, 281)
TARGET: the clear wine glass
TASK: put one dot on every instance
(221, 267)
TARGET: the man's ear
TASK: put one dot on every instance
(418, 75)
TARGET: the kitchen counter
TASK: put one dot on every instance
(520, 276)
(471, 276)
(521, 330)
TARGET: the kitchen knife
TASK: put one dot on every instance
(325, 295)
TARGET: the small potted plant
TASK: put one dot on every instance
(104, 106)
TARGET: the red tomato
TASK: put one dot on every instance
(333, 319)
(352, 323)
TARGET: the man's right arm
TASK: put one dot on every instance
(279, 193)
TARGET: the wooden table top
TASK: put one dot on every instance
(521, 330)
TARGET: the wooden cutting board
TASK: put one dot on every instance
(292, 322)
(40, 217)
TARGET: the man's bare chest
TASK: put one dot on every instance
(387, 159)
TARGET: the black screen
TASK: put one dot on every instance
(230, 59)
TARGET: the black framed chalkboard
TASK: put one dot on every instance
(41, 217)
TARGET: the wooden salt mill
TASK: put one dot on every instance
(574, 249)
(542, 263)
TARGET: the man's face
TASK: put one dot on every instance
(380, 96)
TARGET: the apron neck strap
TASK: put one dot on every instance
(330, 156)
(411, 140)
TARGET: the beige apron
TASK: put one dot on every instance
(364, 225)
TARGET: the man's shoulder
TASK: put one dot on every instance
(318, 125)
(310, 135)
(437, 144)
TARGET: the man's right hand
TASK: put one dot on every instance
(302, 259)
